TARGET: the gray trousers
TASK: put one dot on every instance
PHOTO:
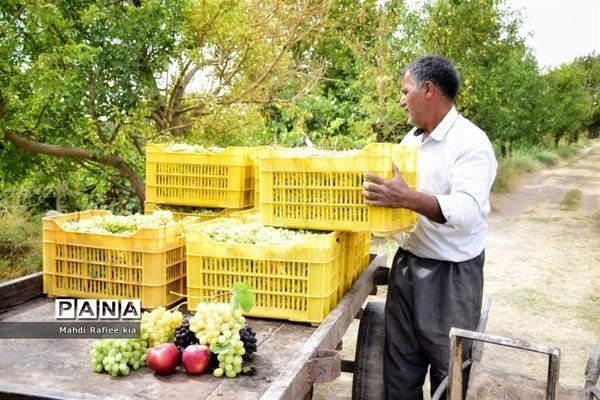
(425, 299)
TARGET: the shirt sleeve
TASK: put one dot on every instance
(471, 181)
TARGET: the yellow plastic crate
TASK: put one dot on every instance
(220, 180)
(296, 283)
(325, 192)
(149, 265)
(256, 198)
(181, 212)
(356, 257)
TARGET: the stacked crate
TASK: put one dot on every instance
(302, 192)
(325, 192)
(297, 282)
(149, 264)
(204, 185)
(189, 183)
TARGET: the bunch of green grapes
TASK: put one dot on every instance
(118, 356)
(218, 326)
(121, 224)
(158, 326)
(192, 148)
(254, 233)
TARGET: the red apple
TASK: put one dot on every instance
(196, 358)
(163, 358)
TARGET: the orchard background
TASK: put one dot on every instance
(84, 85)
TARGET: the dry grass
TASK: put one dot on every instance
(571, 200)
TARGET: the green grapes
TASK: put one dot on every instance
(158, 326)
(218, 326)
(121, 224)
(255, 233)
(118, 356)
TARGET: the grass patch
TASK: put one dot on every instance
(20, 241)
(568, 151)
(506, 177)
(546, 157)
(526, 160)
(571, 200)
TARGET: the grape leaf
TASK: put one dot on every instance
(222, 347)
(243, 296)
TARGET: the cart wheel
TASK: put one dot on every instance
(367, 381)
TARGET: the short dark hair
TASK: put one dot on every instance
(437, 69)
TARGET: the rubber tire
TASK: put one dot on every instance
(367, 380)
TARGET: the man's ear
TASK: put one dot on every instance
(428, 89)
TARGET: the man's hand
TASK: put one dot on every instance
(383, 192)
(395, 193)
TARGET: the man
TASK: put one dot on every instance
(436, 280)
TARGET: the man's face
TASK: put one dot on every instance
(412, 101)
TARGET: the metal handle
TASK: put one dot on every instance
(456, 347)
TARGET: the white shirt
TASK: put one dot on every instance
(458, 166)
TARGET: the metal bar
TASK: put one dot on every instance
(455, 342)
(441, 389)
(592, 372)
(504, 341)
(553, 371)
(455, 369)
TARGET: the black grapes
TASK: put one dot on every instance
(184, 336)
(248, 337)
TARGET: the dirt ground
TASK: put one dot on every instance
(542, 274)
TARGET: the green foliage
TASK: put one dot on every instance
(93, 82)
(500, 82)
(20, 239)
(85, 85)
(590, 67)
(78, 79)
(570, 109)
(356, 101)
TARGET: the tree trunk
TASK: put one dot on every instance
(113, 160)
(557, 137)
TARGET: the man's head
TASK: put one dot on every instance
(429, 87)
(439, 71)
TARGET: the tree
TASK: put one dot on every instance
(499, 75)
(590, 66)
(570, 110)
(357, 101)
(93, 81)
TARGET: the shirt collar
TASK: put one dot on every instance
(445, 124)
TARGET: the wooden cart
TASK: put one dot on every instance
(291, 356)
